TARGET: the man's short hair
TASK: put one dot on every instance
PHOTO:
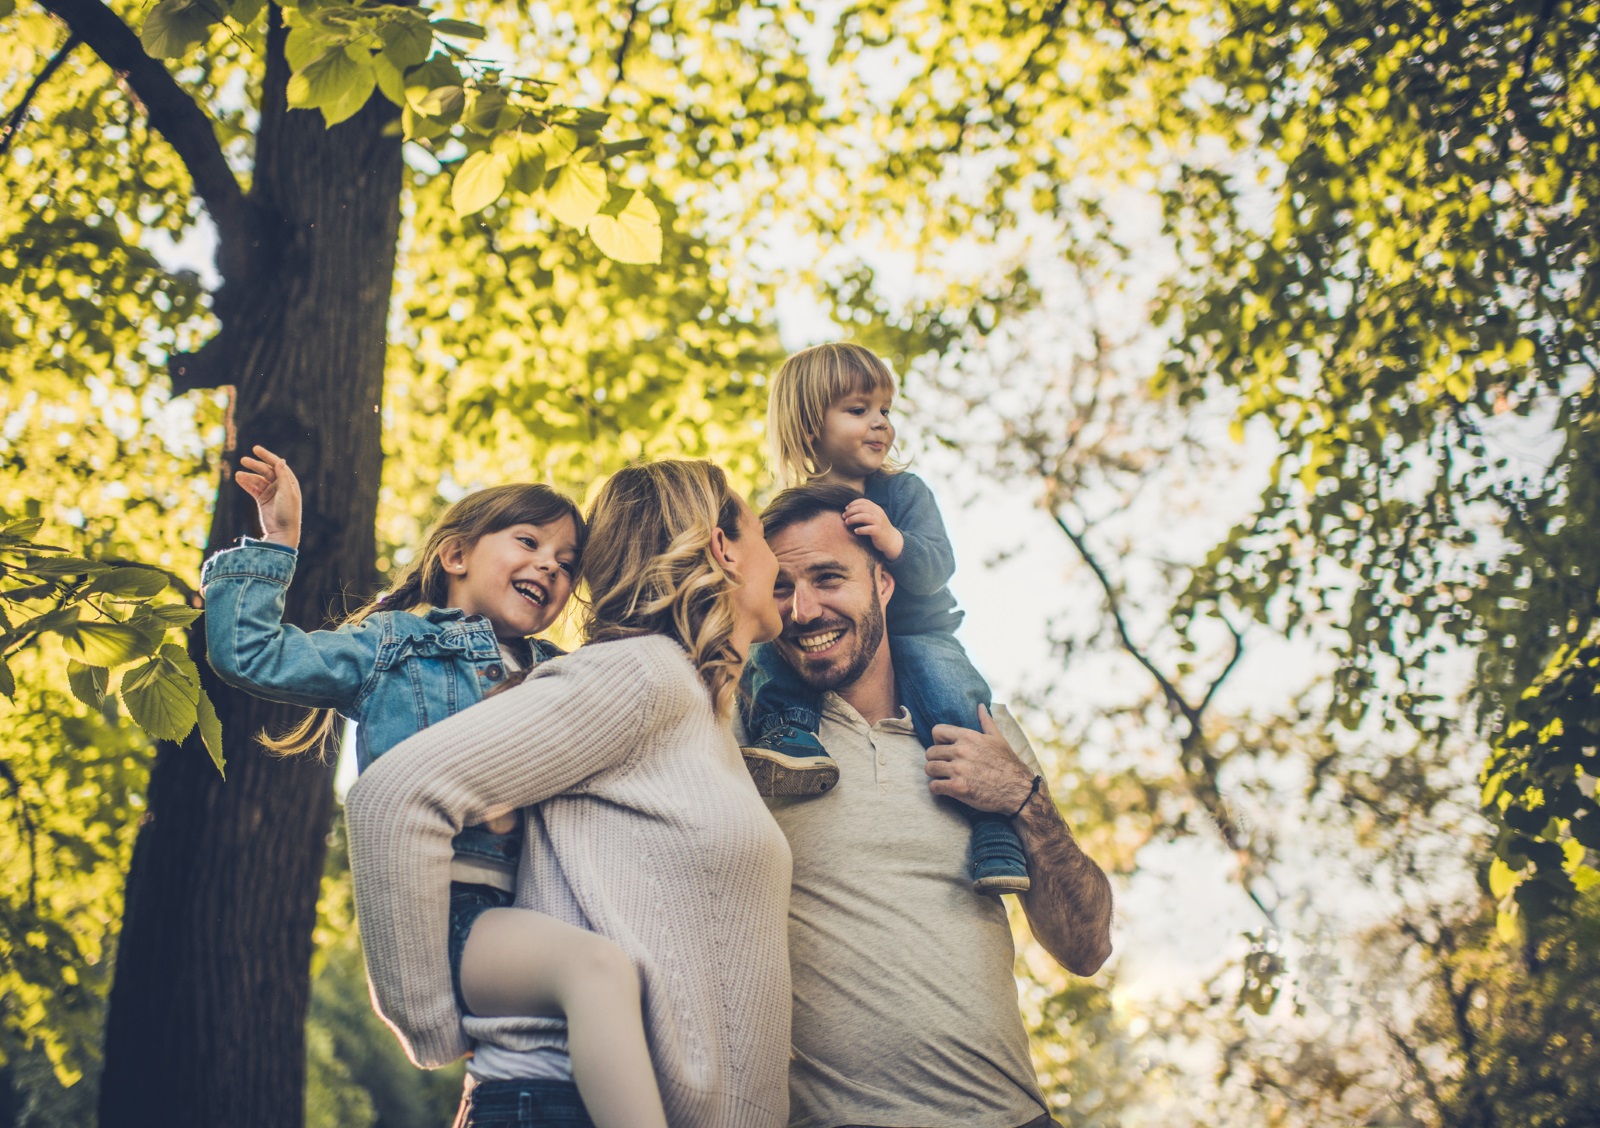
(799, 504)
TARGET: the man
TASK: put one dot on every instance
(905, 1007)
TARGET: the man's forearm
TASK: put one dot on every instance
(1069, 906)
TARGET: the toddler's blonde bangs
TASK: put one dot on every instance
(803, 389)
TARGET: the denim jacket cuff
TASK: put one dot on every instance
(253, 559)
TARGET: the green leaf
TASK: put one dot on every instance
(55, 566)
(174, 26)
(179, 657)
(137, 583)
(7, 7)
(440, 102)
(478, 183)
(245, 12)
(577, 193)
(486, 110)
(391, 83)
(526, 155)
(355, 96)
(1502, 878)
(634, 236)
(406, 40)
(174, 615)
(461, 29)
(106, 644)
(8, 680)
(63, 620)
(309, 41)
(583, 118)
(24, 530)
(161, 698)
(329, 77)
(88, 683)
(559, 146)
(211, 731)
(617, 148)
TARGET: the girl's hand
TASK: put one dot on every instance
(867, 518)
(502, 824)
(268, 479)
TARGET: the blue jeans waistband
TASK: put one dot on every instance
(521, 1104)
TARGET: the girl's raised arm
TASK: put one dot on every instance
(253, 649)
(247, 642)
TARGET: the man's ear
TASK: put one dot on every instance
(453, 556)
(885, 580)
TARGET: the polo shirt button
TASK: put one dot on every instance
(494, 673)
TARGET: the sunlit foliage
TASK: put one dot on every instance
(1377, 252)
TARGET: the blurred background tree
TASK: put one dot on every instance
(1284, 316)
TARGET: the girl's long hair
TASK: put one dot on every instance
(804, 387)
(650, 569)
(425, 583)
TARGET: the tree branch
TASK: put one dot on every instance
(1175, 700)
(622, 48)
(30, 831)
(15, 118)
(1196, 760)
(1418, 1069)
(1238, 651)
(169, 110)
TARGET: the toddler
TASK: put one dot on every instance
(828, 419)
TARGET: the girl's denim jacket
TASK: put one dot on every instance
(394, 673)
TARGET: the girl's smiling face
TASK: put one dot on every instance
(856, 435)
(518, 578)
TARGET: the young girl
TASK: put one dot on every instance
(828, 418)
(495, 570)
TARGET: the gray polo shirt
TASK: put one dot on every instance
(905, 1003)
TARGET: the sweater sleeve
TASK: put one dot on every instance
(253, 649)
(575, 717)
(927, 561)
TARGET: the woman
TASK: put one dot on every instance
(647, 829)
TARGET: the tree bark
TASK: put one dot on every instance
(208, 1006)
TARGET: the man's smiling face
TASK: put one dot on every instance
(831, 593)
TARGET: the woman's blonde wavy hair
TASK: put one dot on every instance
(650, 569)
(803, 389)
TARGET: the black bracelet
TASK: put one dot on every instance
(1032, 791)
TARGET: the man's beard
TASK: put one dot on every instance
(868, 635)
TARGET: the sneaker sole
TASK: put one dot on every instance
(777, 779)
(791, 763)
(1003, 883)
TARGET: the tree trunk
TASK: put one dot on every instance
(208, 1007)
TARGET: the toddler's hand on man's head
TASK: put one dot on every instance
(867, 518)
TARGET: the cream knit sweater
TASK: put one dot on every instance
(643, 826)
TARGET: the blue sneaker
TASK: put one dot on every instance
(995, 858)
(790, 761)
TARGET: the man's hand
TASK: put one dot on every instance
(1069, 906)
(867, 519)
(276, 490)
(978, 768)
